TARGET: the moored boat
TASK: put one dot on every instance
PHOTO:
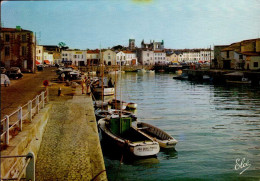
(120, 133)
(131, 105)
(163, 138)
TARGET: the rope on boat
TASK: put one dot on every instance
(98, 175)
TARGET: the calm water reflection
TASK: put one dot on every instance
(215, 125)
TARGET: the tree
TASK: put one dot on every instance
(63, 46)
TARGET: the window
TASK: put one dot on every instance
(108, 56)
(227, 54)
(7, 38)
(255, 64)
(23, 38)
(7, 51)
(240, 56)
(39, 51)
(147, 54)
(23, 50)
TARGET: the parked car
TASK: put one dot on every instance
(40, 67)
(5, 80)
(14, 73)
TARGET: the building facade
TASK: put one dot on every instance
(145, 57)
(74, 57)
(93, 57)
(131, 44)
(18, 48)
(130, 58)
(160, 58)
(39, 54)
(109, 57)
(153, 45)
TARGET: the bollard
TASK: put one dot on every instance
(37, 103)
(59, 91)
(20, 118)
(47, 94)
(6, 130)
(30, 169)
(30, 110)
(42, 94)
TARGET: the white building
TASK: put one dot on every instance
(109, 57)
(160, 58)
(130, 58)
(48, 58)
(196, 55)
(39, 54)
(74, 57)
(120, 57)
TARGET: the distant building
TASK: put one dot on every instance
(172, 58)
(160, 58)
(74, 57)
(131, 44)
(145, 57)
(48, 58)
(39, 54)
(217, 61)
(18, 48)
(153, 45)
(130, 58)
(109, 57)
(195, 55)
(120, 58)
(55, 51)
(93, 57)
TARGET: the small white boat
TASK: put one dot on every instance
(164, 139)
(128, 138)
(107, 91)
(131, 105)
(141, 70)
(150, 71)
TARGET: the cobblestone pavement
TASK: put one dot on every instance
(70, 149)
(23, 90)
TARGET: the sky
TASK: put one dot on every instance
(106, 23)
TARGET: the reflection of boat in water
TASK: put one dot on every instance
(164, 139)
(119, 132)
(237, 78)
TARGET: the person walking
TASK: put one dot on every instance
(88, 85)
(83, 84)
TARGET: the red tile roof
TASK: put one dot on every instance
(93, 51)
(13, 30)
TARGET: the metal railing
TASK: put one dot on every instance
(28, 168)
(14, 121)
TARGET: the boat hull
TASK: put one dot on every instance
(131, 106)
(107, 91)
(164, 139)
(137, 149)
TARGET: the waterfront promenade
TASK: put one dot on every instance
(70, 148)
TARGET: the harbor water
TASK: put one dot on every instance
(218, 129)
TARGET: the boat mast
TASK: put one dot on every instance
(102, 79)
(120, 91)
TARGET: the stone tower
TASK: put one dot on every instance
(131, 44)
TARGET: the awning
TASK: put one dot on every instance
(37, 62)
(47, 62)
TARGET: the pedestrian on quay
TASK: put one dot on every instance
(88, 85)
(83, 84)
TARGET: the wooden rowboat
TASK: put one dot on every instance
(164, 139)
